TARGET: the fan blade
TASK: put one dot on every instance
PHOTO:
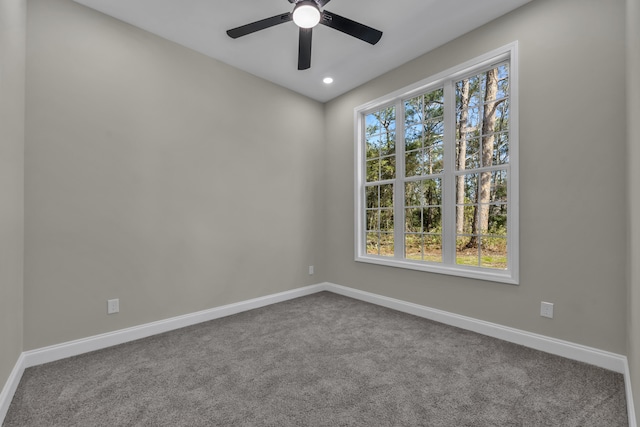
(353, 28)
(304, 49)
(234, 33)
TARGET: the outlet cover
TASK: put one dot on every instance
(113, 306)
(546, 309)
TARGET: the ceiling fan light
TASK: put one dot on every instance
(306, 14)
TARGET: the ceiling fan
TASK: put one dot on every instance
(306, 15)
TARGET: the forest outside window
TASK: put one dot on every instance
(436, 173)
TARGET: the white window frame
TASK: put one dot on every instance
(447, 80)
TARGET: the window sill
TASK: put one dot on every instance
(502, 276)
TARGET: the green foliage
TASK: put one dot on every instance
(424, 129)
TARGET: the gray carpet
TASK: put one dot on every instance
(320, 360)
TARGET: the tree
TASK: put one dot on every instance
(461, 158)
(380, 166)
(480, 222)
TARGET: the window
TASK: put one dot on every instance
(436, 173)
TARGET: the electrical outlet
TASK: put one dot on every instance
(311, 270)
(113, 306)
(546, 309)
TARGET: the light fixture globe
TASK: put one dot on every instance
(306, 14)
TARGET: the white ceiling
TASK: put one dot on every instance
(411, 28)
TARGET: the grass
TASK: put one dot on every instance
(488, 261)
(495, 258)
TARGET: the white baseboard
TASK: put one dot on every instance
(10, 387)
(97, 342)
(593, 356)
(630, 403)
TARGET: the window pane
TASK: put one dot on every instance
(413, 246)
(386, 196)
(386, 220)
(387, 168)
(471, 151)
(433, 104)
(432, 192)
(472, 160)
(372, 196)
(502, 115)
(469, 220)
(466, 209)
(388, 144)
(432, 220)
(413, 193)
(482, 219)
(373, 244)
(466, 252)
(372, 127)
(413, 137)
(474, 117)
(485, 187)
(469, 190)
(433, 128)
(427, 192)
(373, 146)
(380, 145)
(432, 249)
(373, 218)
(503, 81)
(498, 192)
(413, 220)
(493, 252)
(488, 144)
(498, 220)
(386, 244)
(380, 242)
(424, 130)
(432, 156)
(430, 162)
(501, 149)
(413, 163)
(380, 121)
(413, 111)
(373, 170)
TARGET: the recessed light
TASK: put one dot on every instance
(327, 80)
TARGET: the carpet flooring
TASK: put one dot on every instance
(319, 360)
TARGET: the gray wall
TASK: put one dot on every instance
(572, 177)
(633, 135)
(157, 176)
(12, 64)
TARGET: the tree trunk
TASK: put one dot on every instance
(481, 211)
(461, 154)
